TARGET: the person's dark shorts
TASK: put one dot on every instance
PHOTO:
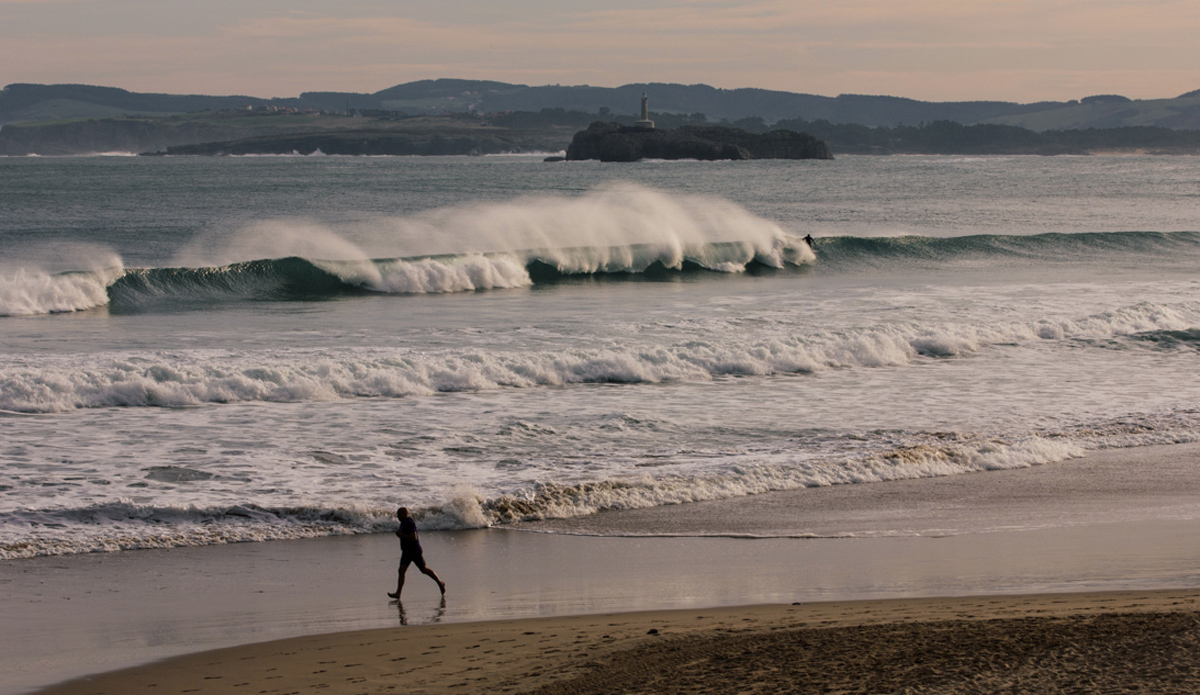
(417, 559)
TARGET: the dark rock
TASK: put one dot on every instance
(613, 142)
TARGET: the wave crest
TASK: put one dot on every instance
(29, 292)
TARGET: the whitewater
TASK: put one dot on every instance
(212, 350)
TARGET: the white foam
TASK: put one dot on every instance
(460, 274)
(31, 291)
(126, 525)
(58, 383)
(549, 501)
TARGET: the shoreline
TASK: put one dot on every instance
(118, 610)
(1024, 643)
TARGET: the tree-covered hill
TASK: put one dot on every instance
(32, 102)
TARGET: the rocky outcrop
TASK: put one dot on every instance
(613, 142)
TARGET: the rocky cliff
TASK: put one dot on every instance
(612, 142)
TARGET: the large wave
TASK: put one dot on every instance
(611, 231)
(29, 291)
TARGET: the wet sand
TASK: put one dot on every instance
(1057, 643)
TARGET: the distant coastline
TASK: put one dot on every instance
(215, 134)
(419, 119)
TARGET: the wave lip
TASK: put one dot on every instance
(29, 292)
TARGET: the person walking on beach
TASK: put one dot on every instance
(410, 553)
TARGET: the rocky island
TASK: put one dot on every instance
(613, 142)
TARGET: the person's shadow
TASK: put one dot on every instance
(438, 613)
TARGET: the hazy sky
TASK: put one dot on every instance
(943, 50)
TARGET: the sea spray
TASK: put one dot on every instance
(612, 217)
(611, 228)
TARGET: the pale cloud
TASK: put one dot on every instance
(930, 49)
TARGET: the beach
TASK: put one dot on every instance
(1051, 643)
(635, 392)
(211, 612)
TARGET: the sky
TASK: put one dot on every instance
(936, 50)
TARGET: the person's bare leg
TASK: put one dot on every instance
(433, 575)
(399, 583)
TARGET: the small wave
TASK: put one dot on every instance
(989, 250)
(926, 460)
(124, 525)
(57, 384)
(1189, 338)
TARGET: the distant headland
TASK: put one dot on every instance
(613, 142)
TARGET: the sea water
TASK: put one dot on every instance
(208, 350)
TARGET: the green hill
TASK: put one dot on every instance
(32, 102)
(1180, 113)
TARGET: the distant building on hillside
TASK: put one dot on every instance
(644, 121)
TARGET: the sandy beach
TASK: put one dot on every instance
(1053, 643)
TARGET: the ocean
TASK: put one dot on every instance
(198, 351)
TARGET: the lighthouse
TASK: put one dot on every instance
(644, 121)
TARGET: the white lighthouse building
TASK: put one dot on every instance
(644, 121)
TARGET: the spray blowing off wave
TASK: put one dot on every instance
(615, 229)
(610, 230)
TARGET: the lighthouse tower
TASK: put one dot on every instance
(644, 121)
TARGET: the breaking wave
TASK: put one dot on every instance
(194, 377)
(295, 278)
(613, 231)
(125, 525)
